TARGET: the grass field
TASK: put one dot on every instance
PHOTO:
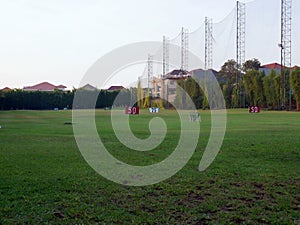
(255, 179)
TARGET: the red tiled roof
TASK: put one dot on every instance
(178, 72)
(277, 66)
(177, 75)
(45, 86)
(115, 88)
(88, 87)
(272, 66)
(61, 86)
(6, 89)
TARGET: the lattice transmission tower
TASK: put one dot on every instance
(166, 55)
(208, 43)
(240, 48)
(166, 63)
(146, 102)
(286, 49)
(150, 70)
(184, 49)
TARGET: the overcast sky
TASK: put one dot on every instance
(58, 40)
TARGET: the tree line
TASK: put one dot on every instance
(246, 86)
(40, 100)
(241, 87)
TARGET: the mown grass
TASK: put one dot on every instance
(255, 179)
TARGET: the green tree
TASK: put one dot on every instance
(295, 85)
(191, 88)
(2, 100)
(277, 90)
(235, 97)
(140, 95)
(270, 90)
(227, 93)
(258, 89)
(249, 87)
(229, 71)
(179, 99)
(252, 64)
(133, 96)
(253, 82)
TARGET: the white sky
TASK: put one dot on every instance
(58, 40)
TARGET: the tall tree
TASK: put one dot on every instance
(179, 99)
(277, 90)
(295, 84)
(270, 90)
(227, 93)
(2, 99)
(133, 96)
(190, 87)
(249, 87)
(258, 88)
(253, 81)
(252, 64)
(229, 71)
(140, 95)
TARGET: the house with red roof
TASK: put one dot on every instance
(45, 86)
(273, 66)
(115, 88)
(168, 83)
(6, 89)
(88, 87)
(268, 68)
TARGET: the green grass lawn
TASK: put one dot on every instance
(255, 179)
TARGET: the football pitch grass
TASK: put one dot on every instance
(255, 179)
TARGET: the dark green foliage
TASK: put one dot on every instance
(227, 93)
(272, 90)
(19, 99)
(38, 100)
(229, 71)
(295, 85)
(185, 88)
(252, 64)
(228, 78)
